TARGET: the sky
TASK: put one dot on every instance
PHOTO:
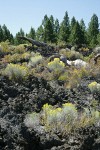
(16, 14)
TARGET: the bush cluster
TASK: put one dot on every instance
(35, 59)
(16, 72)
(94, 87)
(64, 119)
(16, 57)
(71, 54)
(4, 47)
(56, 65)
(72, 77)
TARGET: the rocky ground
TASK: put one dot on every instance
(19, 99)
(16, 100)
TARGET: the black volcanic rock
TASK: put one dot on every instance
(19, 99)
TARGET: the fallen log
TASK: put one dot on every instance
(34, 42)
(96, 57)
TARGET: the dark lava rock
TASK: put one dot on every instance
(19, 99)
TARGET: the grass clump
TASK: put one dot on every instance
(4, 48)
(64, 119)
(35, 60)
(56, 65)
(16, 57)
(72, 54)
(16, 72)
(19, 49)
(94, 87)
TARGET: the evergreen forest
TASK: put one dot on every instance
(69, 31)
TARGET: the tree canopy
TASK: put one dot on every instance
(51, 31)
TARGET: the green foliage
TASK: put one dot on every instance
(63, 77)
(94, 87)
(31, 34)
(48, 29)
(35, 59)
(16, 72)
(89, 117)
(64, 31)
(64, 119)
(69, 32)
(56, 30)
(4, 47)
(73, 55)
(1, 34)
(39, 33)
(5, 34)
(83, 29)
(96, 50)
(32, 120)
(98, 38)
(95, 70)
(93, 30)
(17, 40)
(74, 77)
(16, 57)
(77, 35)
(73, 22)
(56, 65)
(19, 49)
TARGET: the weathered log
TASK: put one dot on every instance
(51, 58)
(34, 42)
(96, 57)
(61, 57)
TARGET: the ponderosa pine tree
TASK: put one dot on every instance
(6, 34)
(52, 21)
(98, 38)
(53, 36)
(56, 30)
(17, 40)
(45, 28)
(93, 30)
(76, 36)
(72, 24)
(64, 31)
(39, 33)
(1, 34)
(48, 32)
(73, 21)
(84, 33)
(31, 34)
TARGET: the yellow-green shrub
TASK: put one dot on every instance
(19, 49)
(84, 49)
(64, 119)
(95, 71)
(32, 120)
(12, 58)
(16, 57)
(55, 119)
(56, 65)
(74, 76)
(63, 77)
(72, 55)
(16, 72)
(89, 117)
(35, 60)
(25, 56)
(94, 87)
(4, 47)
(74, 79)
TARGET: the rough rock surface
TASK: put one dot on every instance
(16, 100)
